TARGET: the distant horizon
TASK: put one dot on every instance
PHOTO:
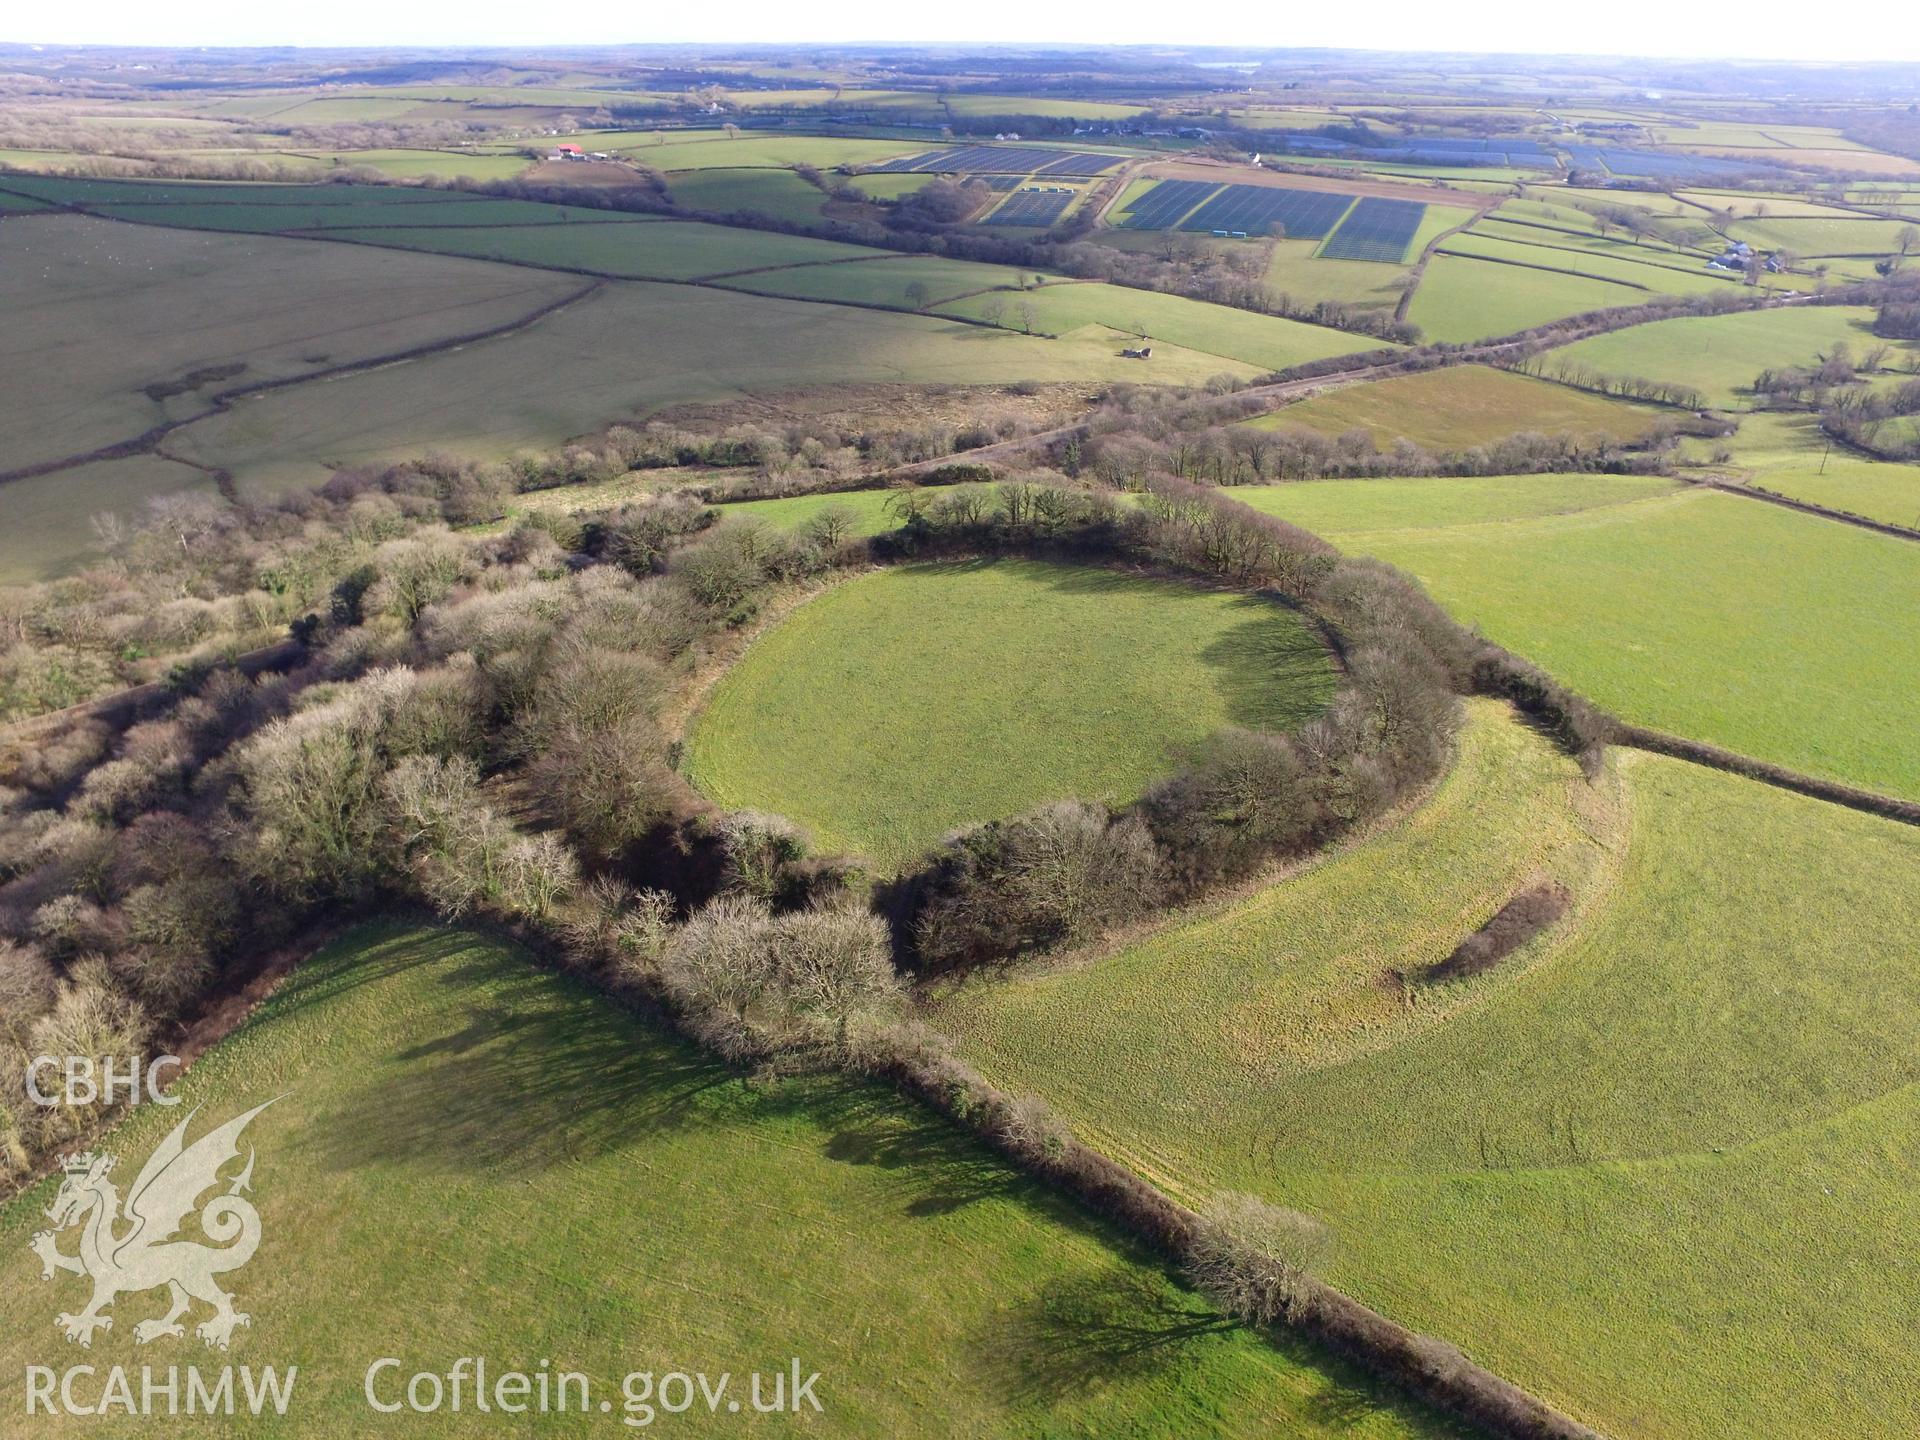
(1659, 32)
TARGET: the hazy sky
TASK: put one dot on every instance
(1767, 29)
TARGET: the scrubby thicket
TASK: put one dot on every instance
(194, 580)
(476, 724)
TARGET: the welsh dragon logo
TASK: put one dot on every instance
(137, 1251)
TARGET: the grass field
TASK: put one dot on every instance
(473, 1157)
(124, 308)
(414, 164)
(867, 507)
(1266, 341)
(1657, 272)
(1345, 509)
(885, 280)
(632, 349)
(1728, 620)
(1632, 1170)
(48, 530)
(1459, 407)
(1721, 354)
(1460, 299)
(1636, 1169)
(710, 150)
(1789, 453)
(779, 193)
(1856, 235)
(663, 250)
(905, 703)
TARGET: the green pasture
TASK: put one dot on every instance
(661, 250)
(1266, 341)
(127, 307)
(1649, 279)
(1461, 406)
(779, 193)
(1724, 619)
(903, 704)
(1351, 511)
(1722, 354)
(632, 349)
(1462, 299)
(471, 1156)
(886, 280)
(1789, 453)
(1652, 1154)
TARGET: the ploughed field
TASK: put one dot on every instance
(890, 710)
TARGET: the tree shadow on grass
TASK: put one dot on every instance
(936, 1169)
(1270, 667)
(531, 1071)
(1131, 1323)
(1092, 1330)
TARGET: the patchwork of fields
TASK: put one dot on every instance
(1654, 1161)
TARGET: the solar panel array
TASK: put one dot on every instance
(999, 160)
(1427, 150)
(1002, 182)
(1252, 209)
(1376, 229)
(1162, 206)
(1031, 207)
(1655, 164)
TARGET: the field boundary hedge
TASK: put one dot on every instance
(1774, 497)
(1678, 747)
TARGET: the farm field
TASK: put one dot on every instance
(883, 279)
(467, 164)
(127, 308)
(1722, 354)
(1774, 634)
(1854, 236)
(1462, 299)
(868, 510)
(1459, 407)
(1789, 453)
(1662, 270)
(710, 150)
(770, 192)
(1570, 1214)
(433, 1073)
(662, 250)
(633, 349)
(49, 529)
(1265, 341)
(1541, 251)
(900, 705)
(1352, 511)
